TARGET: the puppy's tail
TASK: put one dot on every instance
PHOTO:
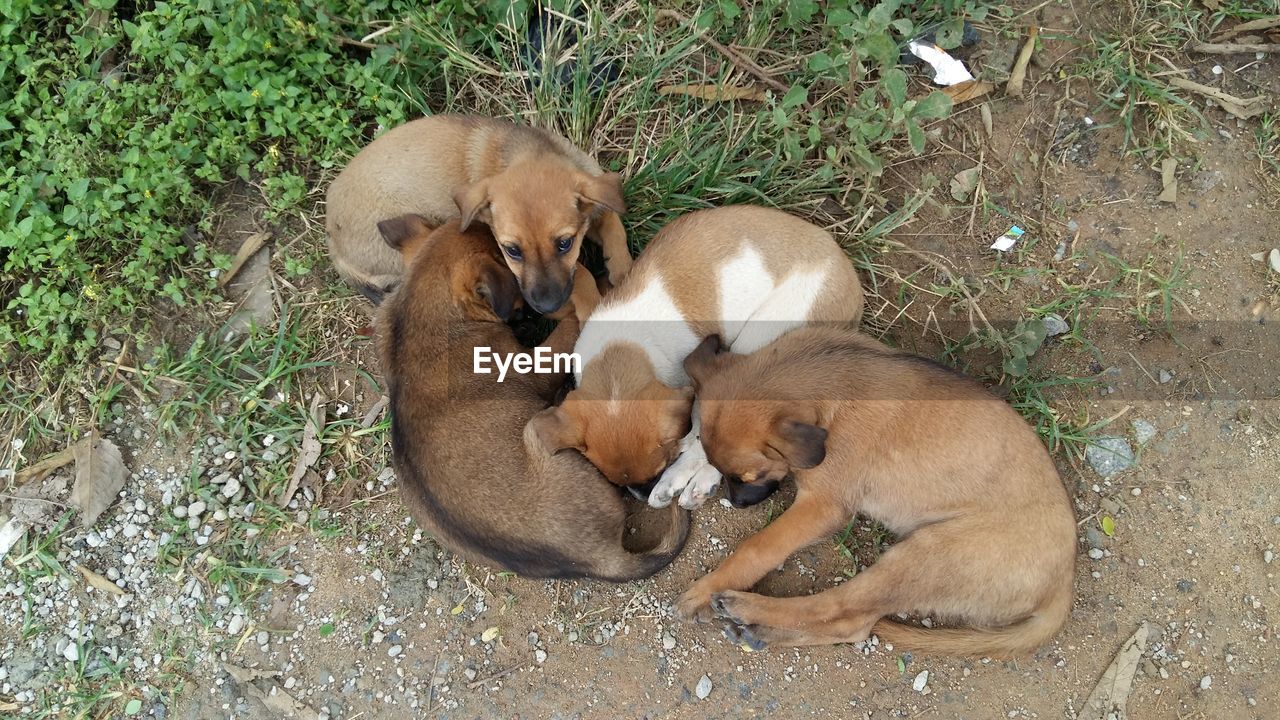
(1020, 638)
(624, 565)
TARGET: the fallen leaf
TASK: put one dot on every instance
(99, 582)
(1108, 525)
(310, 450)
(100, 474)
(457, 609)
(1018, 75)
(279, 615)
(1169, 179)
(276, 700)
(1243, 108)
(133, 707)
(715, 93)
(490, 634)
(964, 182)
(245, 675)
(375, 411)
(44, 467)
(968, 90)
(1265, 23)
(248, 248)
(1108, 699)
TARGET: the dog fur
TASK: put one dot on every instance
(986, 533)
(745, 273)
(467, 469)
(533, 188)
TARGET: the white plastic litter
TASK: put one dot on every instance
(947, 70)
(1005, 242)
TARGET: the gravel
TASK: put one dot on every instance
(1109, 454)
(703, 690)
(921, 682)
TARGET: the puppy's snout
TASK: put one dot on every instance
(547, 297)
(743, 495)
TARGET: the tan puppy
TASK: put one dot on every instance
(467, 469)
(538, 194)
(986, 531)
(748, 274)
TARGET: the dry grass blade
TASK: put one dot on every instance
(310, 450)
(44, 467)
(248, 248)
(1243, 108)
(968, 90)
(735, 57)
(715, 93)
(1233, 48)
(98, 582)
(1260, 24)
(100, 474)
(1108, 699)
(1018, 75)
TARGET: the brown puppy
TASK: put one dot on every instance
(986, 531)
(467, 469)
(538, 194)
(748, 274)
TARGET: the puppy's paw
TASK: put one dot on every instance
(673, 481)
(744, 636)
(618, 268)
(586, 296)
(694, 606)
(703, 484)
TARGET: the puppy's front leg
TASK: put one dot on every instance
(608, 232)
(810, 518)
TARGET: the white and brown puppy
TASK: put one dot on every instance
(986, 535)
(745, 273)
(538, 194)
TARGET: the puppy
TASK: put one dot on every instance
(468, 471)
(986, 533)
(538, 194)
(748, 274)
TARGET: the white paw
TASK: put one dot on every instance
(701, 487)
(674, 479)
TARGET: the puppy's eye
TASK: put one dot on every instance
(513, 252)
(564, 244)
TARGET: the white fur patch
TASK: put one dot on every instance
(649, 320)
(757, 308)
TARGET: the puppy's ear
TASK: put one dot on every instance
(802, 445)
(398, 231)
(705, 360)
(496, 286)
(603, 190)
(555, 430)
(473, 203)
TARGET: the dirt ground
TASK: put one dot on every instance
(388, 624)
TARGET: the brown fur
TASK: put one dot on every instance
(986, 533)
(530, 186)
(466, 468)
(634, 440)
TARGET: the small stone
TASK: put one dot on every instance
(231, 488)
(180, 511)
(540, 655)
(669, 641)
(1095, 553)
(394, 650)
(470, 673)
(703, 690)
(1206, 682)
(1268, 556)
(236, 625)
(1165, 376)
(921, 681)
(302, 579)
(71, 652)
(1109, 455)
(1054, 325)
(195, 509)
(1143, 431)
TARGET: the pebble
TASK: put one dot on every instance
(703, 690)
(394, 650)
(540, 655)
(1165, 376)
(1143, 431)
(669, 641)
(236, 625)
(1268, 556)
(1205, 682)
(196, 509)
(1054, 325)
(1108, 455)
(302, 579)
(921, 681)
(1095, 553)
(71, 652)
(231, 488)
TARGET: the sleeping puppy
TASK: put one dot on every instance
(986, 534)
(745, 273)
(538, 194)
(467, 470)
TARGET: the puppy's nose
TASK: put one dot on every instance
(547, 299)
(742, 495)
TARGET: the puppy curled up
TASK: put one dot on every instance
(538, 194)
(465, 465)
(986, 533)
